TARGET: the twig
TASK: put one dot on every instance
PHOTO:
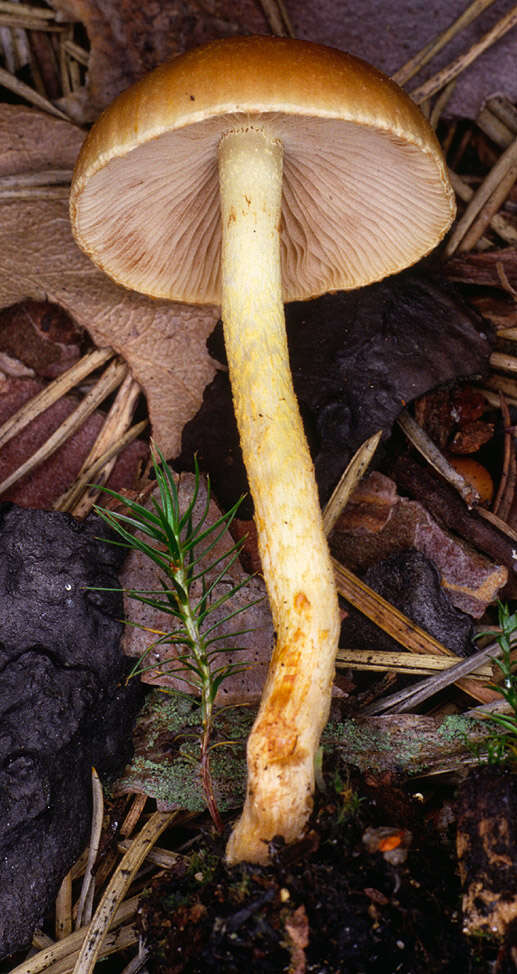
(117, 888)
(394, 623)
(25, 91)
(423, 443)
(455, 68)
(107, 383)
(85, 904)
(401, 662)
(414, 65)
(408, 698)
(506, 489)
(348, 482)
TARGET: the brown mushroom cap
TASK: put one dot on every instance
(365, 191)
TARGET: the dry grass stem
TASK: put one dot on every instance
(85, 903)
(492, 398)
(277, 17)
(26, 10)
(509, 334)
(74, 70)
(28, 94)
(63, 922)
(54, 953)
(506, 489)
(76, 52)
(452, 70)
(395, 623)
(349, 480)
(80, 506)
(500, 360)
(79, 865)
(114, 942)
(425, 446)
(502, 226)
(139, 960)
(36, 193)
(50, 177)
(493, 191)
(498, 523)
(26, 22)
(133, 816)
(440, 104)
(54, 391)
(505, 111)
(490, 209)
(117, 888)
(404, 700)
(403, 662)
(108, 382)
(504, 279)
(414, 65)
(494, 128)
(40, 941)
(115, 427)
(157, 856)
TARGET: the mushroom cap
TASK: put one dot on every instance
(365, 189)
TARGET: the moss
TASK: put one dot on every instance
(455, 726)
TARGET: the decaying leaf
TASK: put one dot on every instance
(41, 336)
(130, 38)
(469, 578)
(163, 342)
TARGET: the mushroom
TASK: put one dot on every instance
(250, 172)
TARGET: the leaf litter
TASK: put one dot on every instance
(130, 310)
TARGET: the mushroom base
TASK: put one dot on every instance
(295, 558)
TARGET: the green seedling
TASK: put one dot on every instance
(190, 577)
(503, 745)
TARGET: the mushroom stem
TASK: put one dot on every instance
(292, 545)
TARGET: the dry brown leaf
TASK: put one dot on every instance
(129, 38)
(163, 342)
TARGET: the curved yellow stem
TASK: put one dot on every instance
(293, 549)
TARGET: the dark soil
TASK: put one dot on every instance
(332, 904)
